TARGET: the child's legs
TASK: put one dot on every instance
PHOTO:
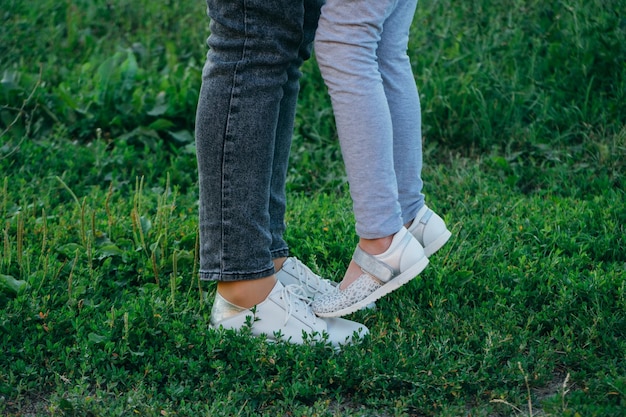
(404, 107)
(346, 42)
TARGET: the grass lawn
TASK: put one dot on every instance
(523, 312)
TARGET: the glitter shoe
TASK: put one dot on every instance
(381, 275)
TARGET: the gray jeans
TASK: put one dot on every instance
(244, 125)
(361, 48)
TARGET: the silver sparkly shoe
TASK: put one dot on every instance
(381, 275)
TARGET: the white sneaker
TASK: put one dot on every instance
(430, 230)
(295, 272)
(382, 274)
(285, 315)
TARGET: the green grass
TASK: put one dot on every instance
(523, 312)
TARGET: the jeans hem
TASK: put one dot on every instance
(280, 253)
(231, 277)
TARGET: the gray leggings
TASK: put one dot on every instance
(361, 48)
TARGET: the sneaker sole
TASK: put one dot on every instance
(437, 244)
(390, 286)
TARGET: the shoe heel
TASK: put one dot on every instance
(437, 243)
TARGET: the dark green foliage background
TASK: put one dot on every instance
(522, 313)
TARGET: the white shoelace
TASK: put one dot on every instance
(295, 299)
(311, 280)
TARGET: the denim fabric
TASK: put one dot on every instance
(361, 48)
(244, 124)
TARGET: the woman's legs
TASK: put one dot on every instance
(284, 133)
(243, 131)
(244, 125)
